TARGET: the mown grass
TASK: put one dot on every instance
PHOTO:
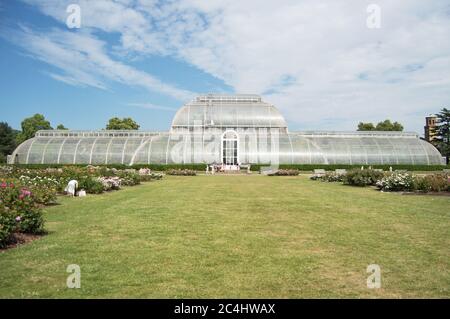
(237, 236)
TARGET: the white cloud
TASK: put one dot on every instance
(83, 60)
(316, 61)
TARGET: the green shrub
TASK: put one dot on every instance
(332, 167)
(333, 177)
(110, 183)
(7, 225)
(30, 221)
(44, 189)
(432, 183)
(358, 177)
(90, 184)
(394, 182)
(254, 167)
(20, 203)
(129, 178)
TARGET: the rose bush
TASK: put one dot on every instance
(110, 183)
(19, 211)
(181, 172)
(359, 177)
(395, 182)
(44, 188)
(432, 183)
(7, 225)
(285, 172)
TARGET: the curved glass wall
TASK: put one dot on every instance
(197, 136)
(253, 147)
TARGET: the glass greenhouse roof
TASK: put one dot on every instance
(228, 111)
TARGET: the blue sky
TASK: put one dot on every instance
(318, 63)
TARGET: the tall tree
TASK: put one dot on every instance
(31, 125)
(387, 125)
(442, 133)
(366, 126)
(122, 124)
(61, 127)
(7, 141)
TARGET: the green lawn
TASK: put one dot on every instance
(237, 236)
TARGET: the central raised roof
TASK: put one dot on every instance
(230, 111)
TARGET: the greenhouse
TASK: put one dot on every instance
(230, 130)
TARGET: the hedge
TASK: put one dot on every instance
(153, 167)
(254, 167)
(332, 167)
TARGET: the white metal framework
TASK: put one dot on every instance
(230, 146)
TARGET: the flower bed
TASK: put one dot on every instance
(19, 212)
(181, 172)
(358, 177)
(110, 183)
(390, 181)
(44, 188)
(329, 177)
(401, 182)
(285, 172)
(24, 191)
(47, 182)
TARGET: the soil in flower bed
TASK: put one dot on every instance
(20, 239)
(429, 193)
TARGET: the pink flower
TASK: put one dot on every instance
(18, 219)
(24, 193)
(4, 185)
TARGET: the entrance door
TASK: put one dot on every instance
(230, 148)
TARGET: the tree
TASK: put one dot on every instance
(122, 124)
(31, 125)
(442, 133)
(61, 127)
(385, 125)
(7, 141)
(366, 126)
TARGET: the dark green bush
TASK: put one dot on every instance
(332, 167)
(358, 177)
(254, 167)
(20, 204)
(129, 178)
(7, 226)
(31, 222)
(90, 184)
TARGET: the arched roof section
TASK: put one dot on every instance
(228, 111)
